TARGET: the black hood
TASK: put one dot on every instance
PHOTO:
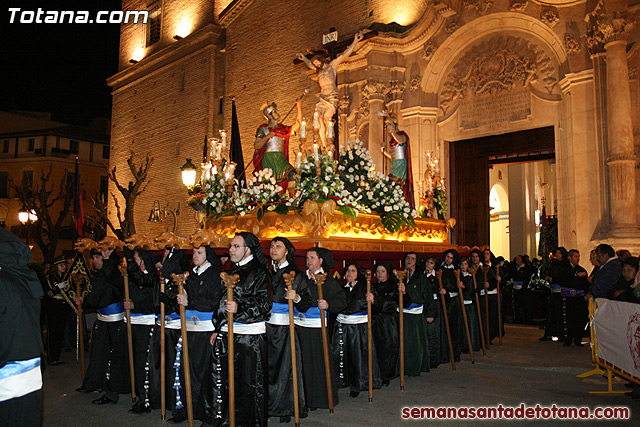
(15, 257)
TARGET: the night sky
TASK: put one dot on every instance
(58, 68)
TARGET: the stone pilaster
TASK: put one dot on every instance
(621, 159)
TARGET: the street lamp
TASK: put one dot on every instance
(26, 218)
(189, 174)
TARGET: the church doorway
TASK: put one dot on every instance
(499, 185)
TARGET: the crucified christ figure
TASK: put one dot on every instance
(327, 71)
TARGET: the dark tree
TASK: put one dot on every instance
(130, 193)
(40, 198)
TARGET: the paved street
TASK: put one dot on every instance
(522, 370)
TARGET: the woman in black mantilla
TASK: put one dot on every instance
(491, 286)
(281, 402)
(143, 283)
(432, 312)
(451, 296)
(469, 297)
(251, 306)
(350, 343)
(385, 321)
(319, 260)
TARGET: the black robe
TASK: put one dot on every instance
(575, 311)
(522, 312)
(494, 326)
(416, 341)
(471, 310)
(315, 384)
(350, 344)
(456, 328)
(432, 311)
(204, 292)
(108, 367)
(385, 327)
(279, 349)
(252, 294)
(142, 289)
(559, 273)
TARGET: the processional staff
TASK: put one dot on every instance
(369, 338)
(485, 269)
(288, 280)
(473, 271)
(179, 280)
(401, 275)
(230, 282)
(132, 377)
(446, 320)
(319, 280)
(499, 306)
(163, 397)
(464, 315)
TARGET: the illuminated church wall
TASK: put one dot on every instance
(444, 76)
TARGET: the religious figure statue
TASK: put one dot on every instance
(272, 146)
(400, 155)
(327, 72)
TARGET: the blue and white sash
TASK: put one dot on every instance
(142, 319)
(412, 309)
(19, 378)
(352, 319)
(308, 319)
(257, 328)
(279, 314)
(111, 313)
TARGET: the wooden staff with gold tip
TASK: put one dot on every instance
(288, 280)
(401, 275)
(369, 338)
(132, 377)
(179, 280)
(499, 307)
(163, 374)
(230, 282)
(485, 269)
(473, 270)
(446, 321)
(319, 280)
(464, 316)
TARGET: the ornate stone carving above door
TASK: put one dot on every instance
(497, 64)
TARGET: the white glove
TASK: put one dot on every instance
(62, 285)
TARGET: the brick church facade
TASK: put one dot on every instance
(453, 71)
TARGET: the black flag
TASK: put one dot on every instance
(236, 146)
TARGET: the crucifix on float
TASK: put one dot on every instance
(325, 63)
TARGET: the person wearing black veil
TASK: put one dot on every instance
(281, 252)
(432, 312)
(319, 260)
(451, 296)
(108, 368)
(201, 297)
(174, 261)
(143, 284)
(350, 342)
(491, 286)
(21, 339)
(385, 321)
(251, 306)
(416, 342)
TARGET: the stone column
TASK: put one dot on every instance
(375, 92)
(621, 159)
